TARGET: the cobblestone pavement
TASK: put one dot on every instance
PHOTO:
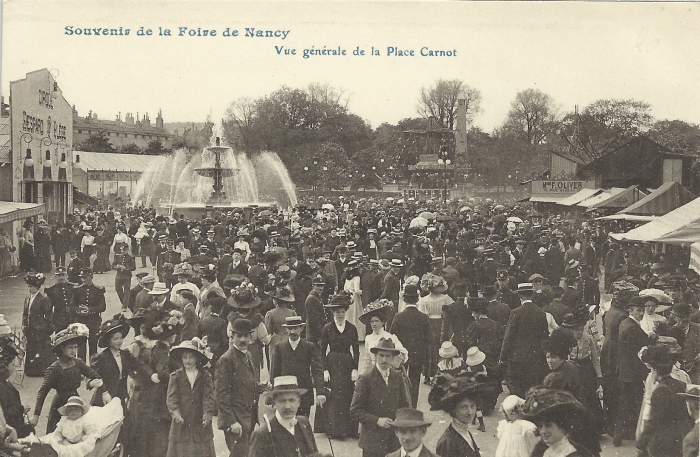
(12, 293)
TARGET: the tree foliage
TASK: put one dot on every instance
(440, 101)
(532, 117)
(131, 148)
(96, 142)
(677, 135)
(155, 148)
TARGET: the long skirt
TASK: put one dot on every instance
(334, 417)
(430, 368)
(204, 448)
(589, 396)
(39, 354)
(26, 258)
(102, 259)
(135, 442)
(60, 399)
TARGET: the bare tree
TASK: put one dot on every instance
(440, 101)
(327, 94)
(532, 116)
(238, 123)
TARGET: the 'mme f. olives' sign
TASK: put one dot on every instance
(560, 187)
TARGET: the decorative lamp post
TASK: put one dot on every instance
(443, 159)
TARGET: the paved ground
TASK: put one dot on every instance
(13, 291)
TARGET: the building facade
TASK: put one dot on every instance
(138, 131)
(41, 135)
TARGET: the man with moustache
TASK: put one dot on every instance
(300, 358)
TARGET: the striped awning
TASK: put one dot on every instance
(15, 211)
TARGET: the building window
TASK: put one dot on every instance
(79, 131)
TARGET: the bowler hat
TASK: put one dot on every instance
(682, 310)
(410, 293)
(637, 301)
(242, 327)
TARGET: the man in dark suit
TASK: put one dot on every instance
(410, 428)
(608, 360)
(238, 266)
(236, 389)
(300, 358)
(498, 311)
(521, 350)
(484, 332)
(556, 307)
(413, 327)
(691, 442)
(315, 313)
(379, 393)
(631, 371)
(61, 296)
(391, 285)
(688, 336)
(371, 283)
(506, 295)
(286, 434)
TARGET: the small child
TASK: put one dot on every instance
(476, 371)
(516, 437)
(73, 428)
(450, 361)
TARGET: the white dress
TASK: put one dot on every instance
(516, 439)
(355, 309)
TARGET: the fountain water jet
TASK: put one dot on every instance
(217, 179)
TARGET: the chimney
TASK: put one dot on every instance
(461, 131)
(159, 120)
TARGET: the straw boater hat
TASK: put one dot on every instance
(283, 384)
(75, 331)
(110, 327)
(378, 308)
(74, 401)
(159, 288)
(409, 418)
(199, 347)
(385, 344)
(396, 263)
(293, 321)
(448, 350)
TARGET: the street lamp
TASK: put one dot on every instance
(443, 159)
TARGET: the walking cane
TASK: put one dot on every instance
(325, 424)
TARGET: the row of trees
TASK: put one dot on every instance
(99, 142)
(323, 144)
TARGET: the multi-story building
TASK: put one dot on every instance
(138, 131)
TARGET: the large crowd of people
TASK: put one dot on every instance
(469, 300)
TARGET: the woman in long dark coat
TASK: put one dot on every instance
(340, 365)
(37, 326)
(42, 247)
(26, 249)
(103, 242)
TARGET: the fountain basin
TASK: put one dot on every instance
(203, 210)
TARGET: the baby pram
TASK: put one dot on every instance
(108, 421)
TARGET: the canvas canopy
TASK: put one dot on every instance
(602, 196)
(665, 225)
(14, 211)
(620, 199)
(579, 196)
(669, 196)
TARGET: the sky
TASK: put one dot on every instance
(575, 52)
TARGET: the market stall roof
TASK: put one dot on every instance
(546, 198)
(664, 225)
(579, 196)
(669, 196)
(605, 195)
(15, 211)
(627, 217)
(83, 198)
(117, 162)
(684, 235)
(621, 199)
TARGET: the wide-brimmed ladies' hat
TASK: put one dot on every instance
(448, 391)
(576, 319)
(433, 283)
(543, 403)
(339, 300)
(284, 294)
(385, 344)
(409, 418)
(474, 356)
(168, 325)
(196, 345)
(75, 331)
(244, 296)
(141, 315)
(110, 327)
(182, 269)
(379, 308)
(448, 350)
(74, 401)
